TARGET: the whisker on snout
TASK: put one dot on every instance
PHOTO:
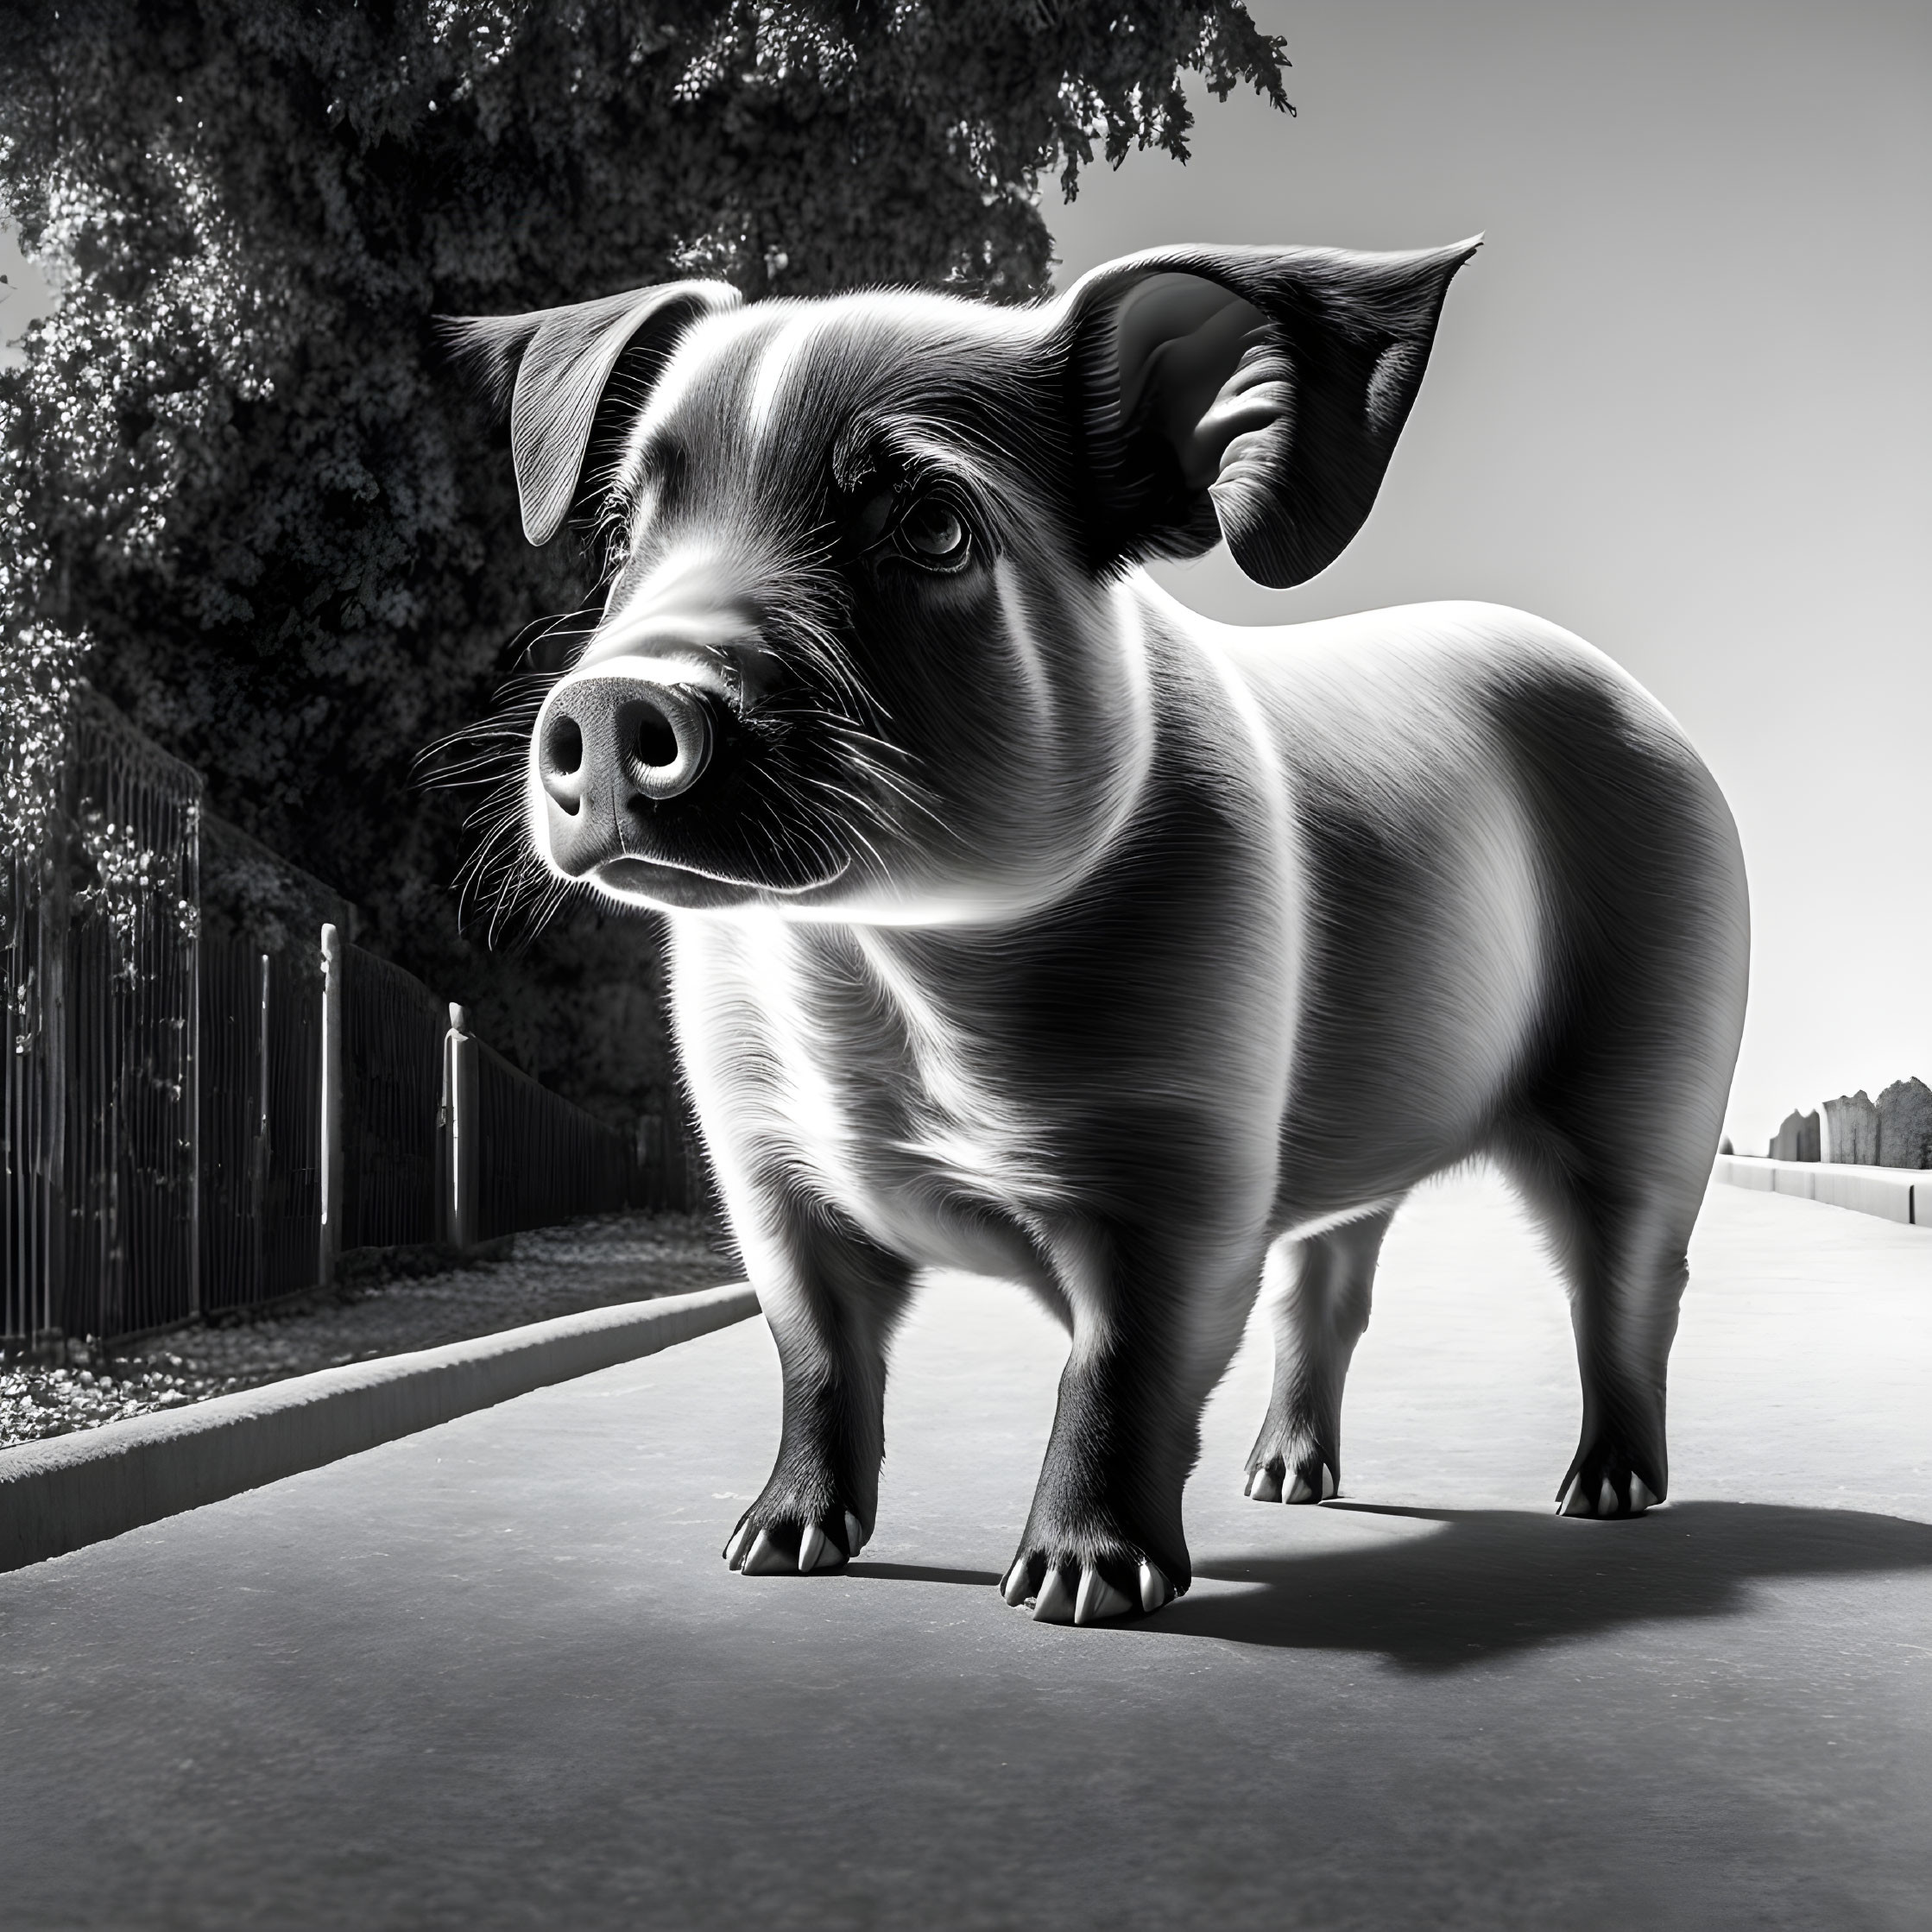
(501, 877)
(819, 785)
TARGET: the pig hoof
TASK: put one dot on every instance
(766, 1555)
(1311, 1480)
(791, 1548)
(1155, 1590)
(1600, 1488)
(1018, 1586)
(1096, 1600)
(1074, 1593)
(1054, 1604)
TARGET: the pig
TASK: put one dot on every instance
(1022, 920)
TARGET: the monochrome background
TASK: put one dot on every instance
(1680, 403)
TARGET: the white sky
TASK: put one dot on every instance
(1679, 403)
(23, 295)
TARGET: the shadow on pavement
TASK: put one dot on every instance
(917, 1573)
(1493, 1582)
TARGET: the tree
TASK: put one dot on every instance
(239, 476)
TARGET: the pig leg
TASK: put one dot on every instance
(1104, 1537)
(1627, 1275)
(831, 1299)
(1319, 1288)
(1621, 1242)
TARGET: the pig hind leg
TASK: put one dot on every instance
(1612, 1145)
(1612, 1133)
(1318, 1288)
(1621, 1235)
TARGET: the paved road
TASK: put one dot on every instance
(496, 1675)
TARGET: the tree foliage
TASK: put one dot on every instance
(237, 471)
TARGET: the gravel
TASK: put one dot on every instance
(378, 1309)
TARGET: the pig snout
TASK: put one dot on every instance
(610, 746)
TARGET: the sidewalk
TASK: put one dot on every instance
(496, 1674)
(369, 1314)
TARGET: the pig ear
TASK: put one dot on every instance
(554, 364)
(1250, 393)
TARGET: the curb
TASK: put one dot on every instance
(1902, 1194)
(65, 1491)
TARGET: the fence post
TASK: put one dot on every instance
(259, 1151)
(330, 1136)
(196, 1076)
(54, 924)
(459, 1074)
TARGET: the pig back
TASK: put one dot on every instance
(1495, 826)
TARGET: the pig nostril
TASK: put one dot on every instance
(561, 761)
(666, 736)
(614, 737)
(656, 743)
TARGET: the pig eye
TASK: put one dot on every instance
(931, 534)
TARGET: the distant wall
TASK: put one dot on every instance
(1856, 1131)
(1905, 1125)
(1849, 1132)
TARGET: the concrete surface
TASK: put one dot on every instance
(1891, 1193)
(62, 1492)
(496, 1674)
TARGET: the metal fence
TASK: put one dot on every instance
(392, 1090)
(539, 1159)
(261, 1101)
(669, 1166)
(101, 1208)
(195, 1122)
(31, 1129)
(132, 1109)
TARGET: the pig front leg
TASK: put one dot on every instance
(831, 1298)
(1150, 1339)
